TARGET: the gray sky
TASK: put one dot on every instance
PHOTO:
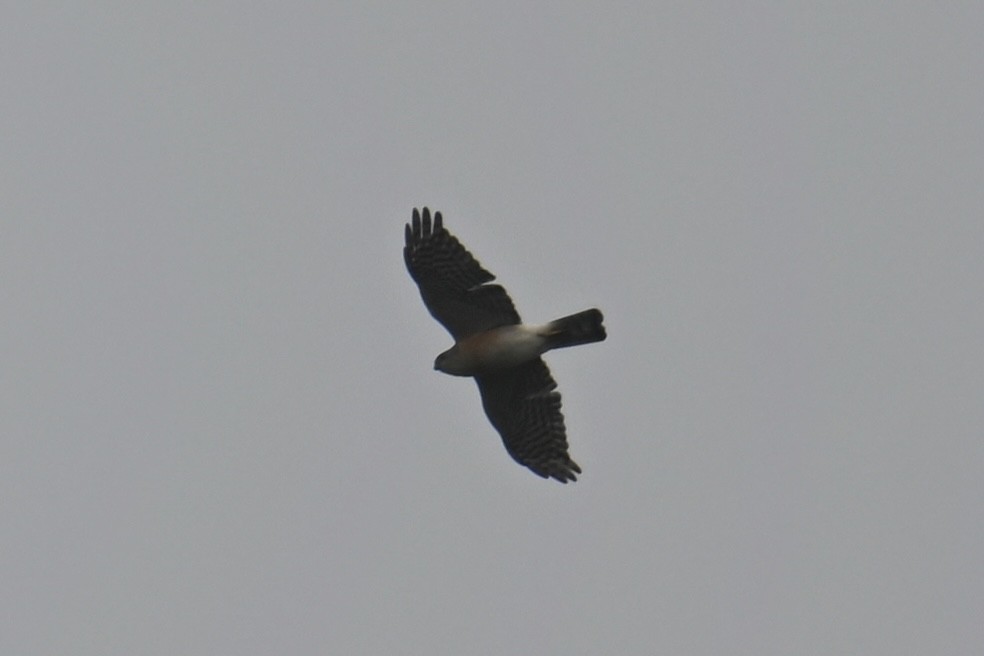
(219, 428)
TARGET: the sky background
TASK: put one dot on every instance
(220, 432)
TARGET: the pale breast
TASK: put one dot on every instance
(503, 347)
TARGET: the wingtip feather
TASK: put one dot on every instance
(426, 223)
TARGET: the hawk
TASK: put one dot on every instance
(491, 345)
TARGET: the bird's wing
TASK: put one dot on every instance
(452, 282)
(524, 406)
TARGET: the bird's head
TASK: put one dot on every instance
(451, 362)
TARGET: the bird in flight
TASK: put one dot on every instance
(502, 354)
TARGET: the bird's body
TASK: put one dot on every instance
(494, 350)
(510, 346)
(492, 345)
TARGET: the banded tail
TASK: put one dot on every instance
(581, 328)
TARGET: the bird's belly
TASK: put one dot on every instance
(506, 347)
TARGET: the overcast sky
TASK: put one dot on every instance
(220, 430)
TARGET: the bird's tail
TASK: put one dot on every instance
(581, 328)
